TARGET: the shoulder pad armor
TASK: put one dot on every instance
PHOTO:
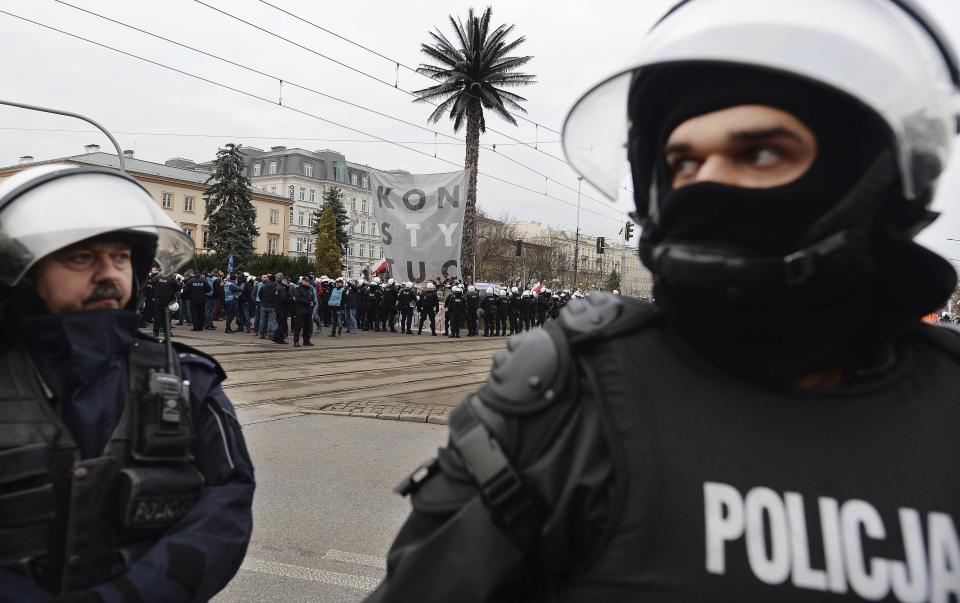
(529, 374)
(604, 315)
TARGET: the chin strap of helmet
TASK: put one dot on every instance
(844, 231)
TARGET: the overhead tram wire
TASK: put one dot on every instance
(360, 71)
(385, 57)
(243, 137)
(289, 108)
(317, 92)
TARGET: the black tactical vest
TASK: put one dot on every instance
(735, 492)
(70, 523)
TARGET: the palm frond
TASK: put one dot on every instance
(509, 64)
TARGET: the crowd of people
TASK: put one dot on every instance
(277, 306)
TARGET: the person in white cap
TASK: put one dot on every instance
(798, 440)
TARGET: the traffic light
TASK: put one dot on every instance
(628, 231)
(601, 244)
(519, 249)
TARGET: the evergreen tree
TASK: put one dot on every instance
(229, 211)
(328, 252)
(334, 197)
(613, 281)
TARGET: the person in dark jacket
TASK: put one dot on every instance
(406, 301)
(472, 298)
(164, 292)
(503, 312)
(488, 305)
(197, 288)
(284, 307)
(362, 288)
(373, 306)
(350, 300)
(304, 302)
(456, 307)
(527, 309)
(268, 306)
(429, 306)
(102, 503)
(388, 306)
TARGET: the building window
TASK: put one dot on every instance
(363, 249)
(349, 271)
(363, 182)
(206, 239)
(188, 204)
(166, 200)
(313, 219)
(303, 193)
(272, 245)
(272, 168)
(274, 216)
(353, 204)
(363, 228)
(188, 230)
(338, 171)
(353, 179)
(308, 170)
(313, 195)
(300, 218)
(363, 205)
(381, 252)
(256, 168)
(350, 249)
(373, 228)
(371, 251)
(273, 189)
(299, 243)
(309, 246)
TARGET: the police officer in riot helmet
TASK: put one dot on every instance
(429, 306)
(472, 298)
(799, 441)
(164, 291)
(123, 471)
(406, 301)
(456, 307)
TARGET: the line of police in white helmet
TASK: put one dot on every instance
(274, 305)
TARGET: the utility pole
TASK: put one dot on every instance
(576, 244)
(623, 255)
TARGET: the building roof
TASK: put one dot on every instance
(147, 168)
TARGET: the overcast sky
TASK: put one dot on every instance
(575, 43)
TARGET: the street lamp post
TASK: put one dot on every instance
(576, 243)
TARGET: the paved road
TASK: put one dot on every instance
(410, 377)
(324, 512)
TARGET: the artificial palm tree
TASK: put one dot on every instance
(473, 74)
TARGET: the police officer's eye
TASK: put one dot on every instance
(763, 156)
(122, 257)
(79, 258)
(684, 166)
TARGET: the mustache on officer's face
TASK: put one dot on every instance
(104, 291)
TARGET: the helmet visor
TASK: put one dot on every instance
(73, 208)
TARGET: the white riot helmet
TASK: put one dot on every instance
(526, 293)
(503, 293)
(390, 281)
(457, 289)
(431, 286)
(471, 288)
(514, 290)
(616, 292)
(489, 291)
(376, 280)
(870, 50)
(47, 208)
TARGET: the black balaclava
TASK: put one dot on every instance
(766, 328)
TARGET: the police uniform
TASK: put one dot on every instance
(685, 484)
(625, 452)
(123, 470)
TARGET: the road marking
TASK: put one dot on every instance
(356, 558)
(288, 570)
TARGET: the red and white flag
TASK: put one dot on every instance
(537, 288)
(379, 266)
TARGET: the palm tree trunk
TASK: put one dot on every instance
(468, 249)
